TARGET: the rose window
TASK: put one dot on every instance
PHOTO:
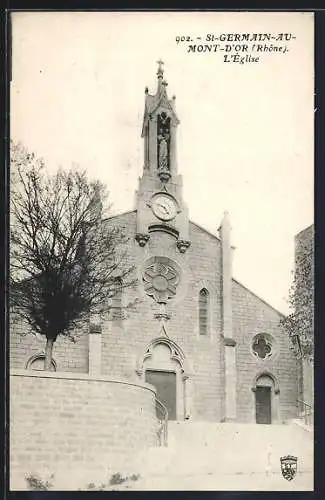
(160, 281)
(262, 346)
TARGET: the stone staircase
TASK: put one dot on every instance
(227, 456)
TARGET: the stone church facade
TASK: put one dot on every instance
(213, 349)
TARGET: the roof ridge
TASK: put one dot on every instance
(204, 229)
(119, 214)
(260, 298)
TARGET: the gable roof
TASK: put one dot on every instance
(205, 230)
(201, 228)
(259, 298)
(119, 215)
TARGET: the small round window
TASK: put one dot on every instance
(263, 346)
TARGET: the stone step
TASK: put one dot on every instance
(245, 435)
(226, 448)
(177, 462)
(225, 482)
(225, 428)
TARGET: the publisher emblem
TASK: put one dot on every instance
(288, 467)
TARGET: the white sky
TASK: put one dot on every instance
(245, 142)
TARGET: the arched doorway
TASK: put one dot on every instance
(266, 399)
(163, 367)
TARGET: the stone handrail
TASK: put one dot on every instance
(162, 416)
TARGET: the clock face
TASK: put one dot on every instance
(164, 207)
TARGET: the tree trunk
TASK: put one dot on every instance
(48, 354)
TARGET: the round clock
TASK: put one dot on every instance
(164, 207)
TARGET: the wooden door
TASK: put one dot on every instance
(263, 405)
(165, 383)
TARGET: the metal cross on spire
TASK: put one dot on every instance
(160, 71)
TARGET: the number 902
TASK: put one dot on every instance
(183, 39)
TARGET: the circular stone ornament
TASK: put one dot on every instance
(160, 280)
(263, 346)
(160, 283)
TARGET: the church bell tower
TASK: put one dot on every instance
(160, 205)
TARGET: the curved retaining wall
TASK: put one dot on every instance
(64, 421)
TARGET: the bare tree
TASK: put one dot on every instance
(66, 260)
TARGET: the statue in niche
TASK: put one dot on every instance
(163, 154)
(163, 142)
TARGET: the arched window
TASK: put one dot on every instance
(116, 306)
(204, 311)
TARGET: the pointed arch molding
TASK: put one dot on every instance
(176, 353)
(211, 296)
(266, 374)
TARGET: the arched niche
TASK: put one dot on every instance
(36, 362)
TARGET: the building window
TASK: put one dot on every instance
(116, 305)
(204, 311)
(262, 346)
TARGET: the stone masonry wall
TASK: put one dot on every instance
(69, 356)
(75, 425)
(250, 317)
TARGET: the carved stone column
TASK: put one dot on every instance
(275, 408)
(172, 148)
(152, 146)
(188, 394)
